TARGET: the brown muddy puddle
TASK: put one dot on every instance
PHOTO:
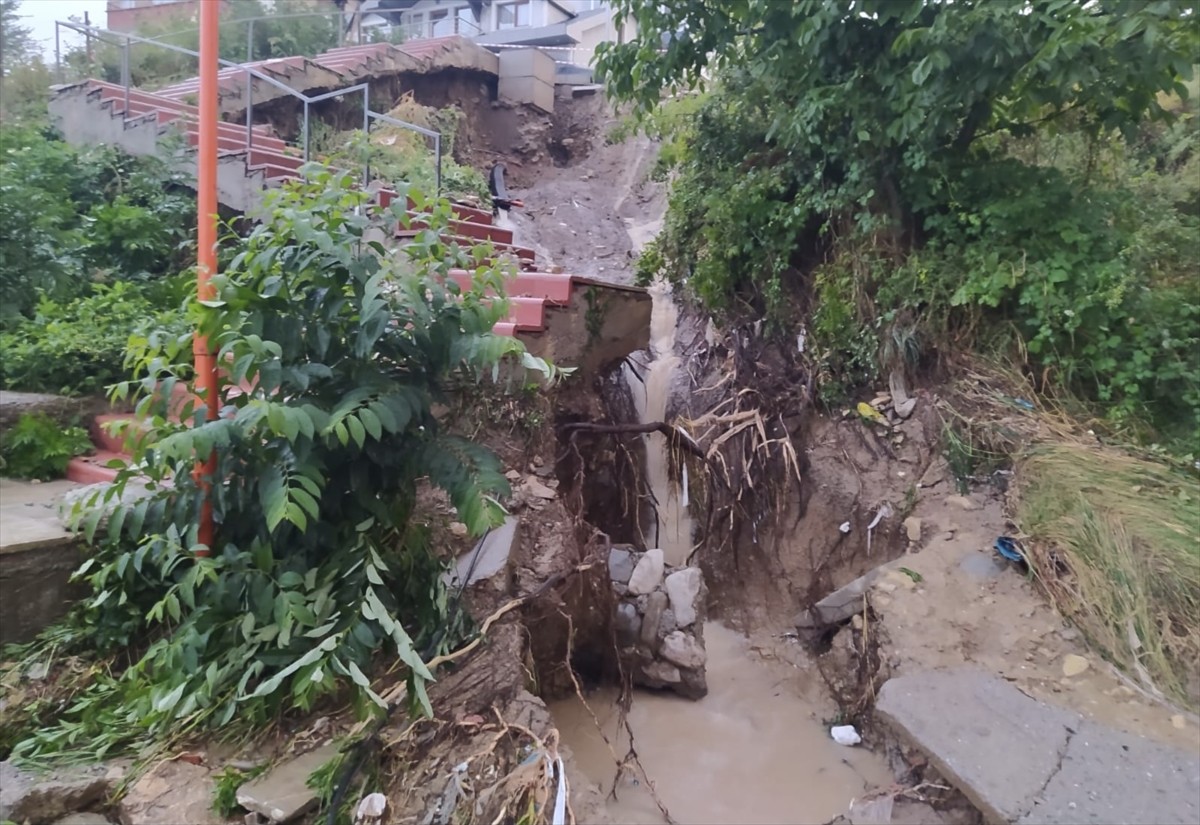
(752, 751)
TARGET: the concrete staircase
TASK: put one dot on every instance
(572, 320)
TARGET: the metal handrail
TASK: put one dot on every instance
(251, 74)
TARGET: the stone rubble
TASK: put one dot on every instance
(39, 799)
(660, 621)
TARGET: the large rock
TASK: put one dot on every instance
(171, 792)
(283, 794)
(629, 624)
(656, 604)
(40, 799)
(620, 564)
(648, 574)
(683, 589)
(684, 650)
(1019, 760)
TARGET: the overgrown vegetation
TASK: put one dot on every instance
(930, 177)
(341, 349)
(402, 156)
(77, 219)
(38, 447)
(1128, 532)
(78, 347)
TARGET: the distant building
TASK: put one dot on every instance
(130, 15)
(572, 27)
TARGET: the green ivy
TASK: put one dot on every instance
(345, 348)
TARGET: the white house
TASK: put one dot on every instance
(570, 28)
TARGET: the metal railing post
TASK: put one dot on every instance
(437, 150)
(250, 40)
(305, 132)
(249, 109)
(125, 78)
(367, 136)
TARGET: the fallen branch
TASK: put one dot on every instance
(674, 435)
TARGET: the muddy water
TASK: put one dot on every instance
(752, 751)
(672, 529)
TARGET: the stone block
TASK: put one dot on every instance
(517, 63)
(530, 90)
(41, 799)
(656, 603)
(621, 562)
(684, 650)
(629, 624)
(683, 589)
(662, 672)
(283, 794)
(648, 574)
(171, 792)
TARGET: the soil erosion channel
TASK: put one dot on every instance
(755, 749)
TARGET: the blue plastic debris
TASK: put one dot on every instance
(1009, 549)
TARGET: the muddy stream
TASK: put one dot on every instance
(756, 749)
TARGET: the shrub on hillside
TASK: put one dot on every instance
(78, 347)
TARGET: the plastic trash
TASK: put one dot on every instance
(877, 811)
(870, 413)
(845, 735)
(1009, 549)
(371, 809)
(844, 527)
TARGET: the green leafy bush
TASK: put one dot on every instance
(73, 218)
(927, 178)
(78, 347)
(38, 447)
(317, 565)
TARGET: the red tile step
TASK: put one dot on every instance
(91, 469)
(104, 436)
(554, 289)
(463, 212)
(524, 254)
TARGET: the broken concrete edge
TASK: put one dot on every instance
(1005, 793)
(1019, 760)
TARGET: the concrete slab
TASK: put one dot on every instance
(283, 793)
(1108, 776)
(488, 558)
(37, 558)
(997, 746)
(1019, 760)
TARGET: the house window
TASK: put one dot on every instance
(440, 23)
(513, 15)
(465, 21)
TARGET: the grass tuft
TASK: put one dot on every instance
(1115, 541)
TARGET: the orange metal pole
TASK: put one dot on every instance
(206, 243)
